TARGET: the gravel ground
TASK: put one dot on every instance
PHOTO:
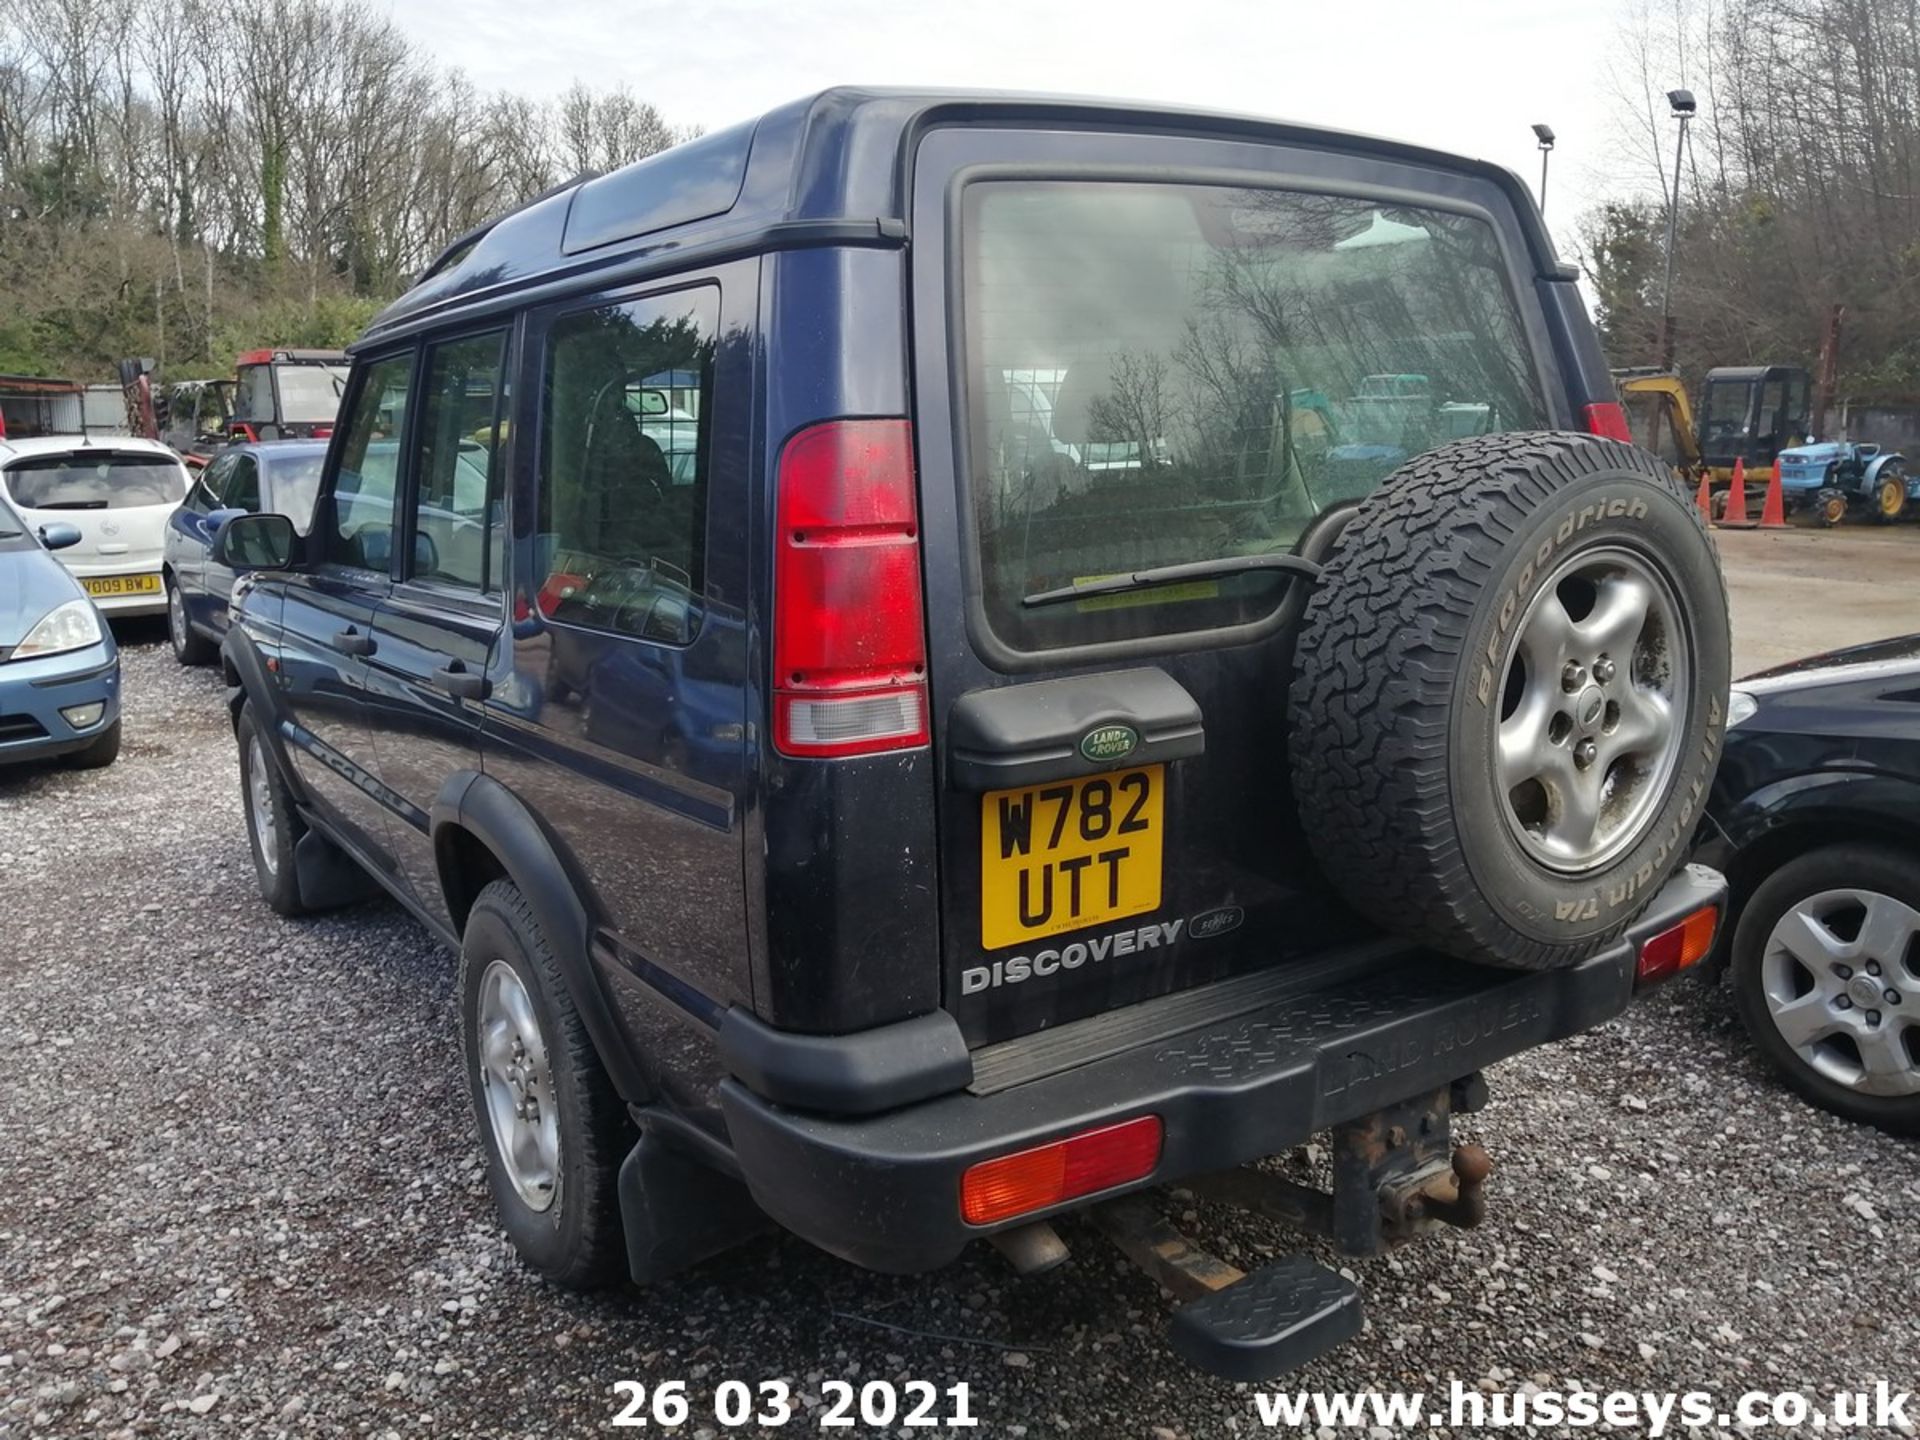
(239, 1193)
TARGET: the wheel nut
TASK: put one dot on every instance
(1584, 753)
(1873, 967)
(1873, 1017)
(1573, 677)
(1603, 669)
(1843, 1003)
(1893, 997)
(1845, 972)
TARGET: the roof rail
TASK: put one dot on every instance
(460, 244)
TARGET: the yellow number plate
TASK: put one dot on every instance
(1063, 857)
(121, 585)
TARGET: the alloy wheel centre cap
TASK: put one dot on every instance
(1864, 990)
(1593, 704)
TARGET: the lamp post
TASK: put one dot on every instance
(1544, 134)
(1683, 107)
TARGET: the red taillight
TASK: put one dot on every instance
(1084, 1164)
(1680, 948)
(244, 432)
(849, 633)
(323, 432)
(1609, 421)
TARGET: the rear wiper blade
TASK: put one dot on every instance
(1173, 575)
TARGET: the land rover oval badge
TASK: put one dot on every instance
(1109, 742)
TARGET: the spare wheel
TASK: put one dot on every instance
(1509, 693)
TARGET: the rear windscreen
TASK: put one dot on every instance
(1159, 374)
(95, 482)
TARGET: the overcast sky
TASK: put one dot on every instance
(1472, 75)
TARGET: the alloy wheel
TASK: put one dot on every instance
(518, 1084)
(1593, 710)
(260, 807)
(1841, 977)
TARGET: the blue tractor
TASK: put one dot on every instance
(1831, 478)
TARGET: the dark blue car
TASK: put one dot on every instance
(59, 666)
(280, 478)
(902, 747)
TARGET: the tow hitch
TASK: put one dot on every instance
(1396, 1174)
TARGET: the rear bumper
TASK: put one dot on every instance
(883, 1191)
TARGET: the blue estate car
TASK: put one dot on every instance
(276, 478)
(59, 666)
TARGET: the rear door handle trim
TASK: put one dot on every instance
(462, 683)
(351, 642)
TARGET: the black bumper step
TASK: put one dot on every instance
(1270, 1321)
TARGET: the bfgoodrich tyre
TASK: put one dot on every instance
(1509, 694)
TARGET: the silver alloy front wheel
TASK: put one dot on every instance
(260, 807)
(1593, 710)
(177, 618)
(1840, 974)
(517, 1082)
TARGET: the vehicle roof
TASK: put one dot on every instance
(32, 445)
(831, 164)
(1749, 372)
(271, 448)
(297, 357)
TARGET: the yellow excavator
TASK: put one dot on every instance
(1748, 412)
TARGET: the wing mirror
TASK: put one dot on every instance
(256, 542)
(58, 535)
(218, 520)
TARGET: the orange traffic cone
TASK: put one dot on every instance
(1704, 500)
(1773, 514)
(1736, 516)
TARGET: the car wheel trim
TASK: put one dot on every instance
(260, 807)
(517, 1083)
(1593, 716)
(1823, 989)
(176, 618)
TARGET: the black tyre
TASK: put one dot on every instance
(101, 753)
(1509, 693)
(274, 827)
(554, 1130)
(190, 647)
(1826, 976)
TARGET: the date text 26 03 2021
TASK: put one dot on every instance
(770, 1404)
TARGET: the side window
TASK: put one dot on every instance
(457, 478)
(204, 495)
(243, 486)
(624, 445)
(362, 514)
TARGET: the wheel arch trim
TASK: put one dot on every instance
(479, 807)
(245, 670)
(1788, 818)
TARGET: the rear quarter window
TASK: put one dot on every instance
(1164, 373)
(106, 482)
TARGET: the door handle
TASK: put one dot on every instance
(351, 642)
(462, 683)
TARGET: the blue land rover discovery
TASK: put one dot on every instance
(926, 719)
